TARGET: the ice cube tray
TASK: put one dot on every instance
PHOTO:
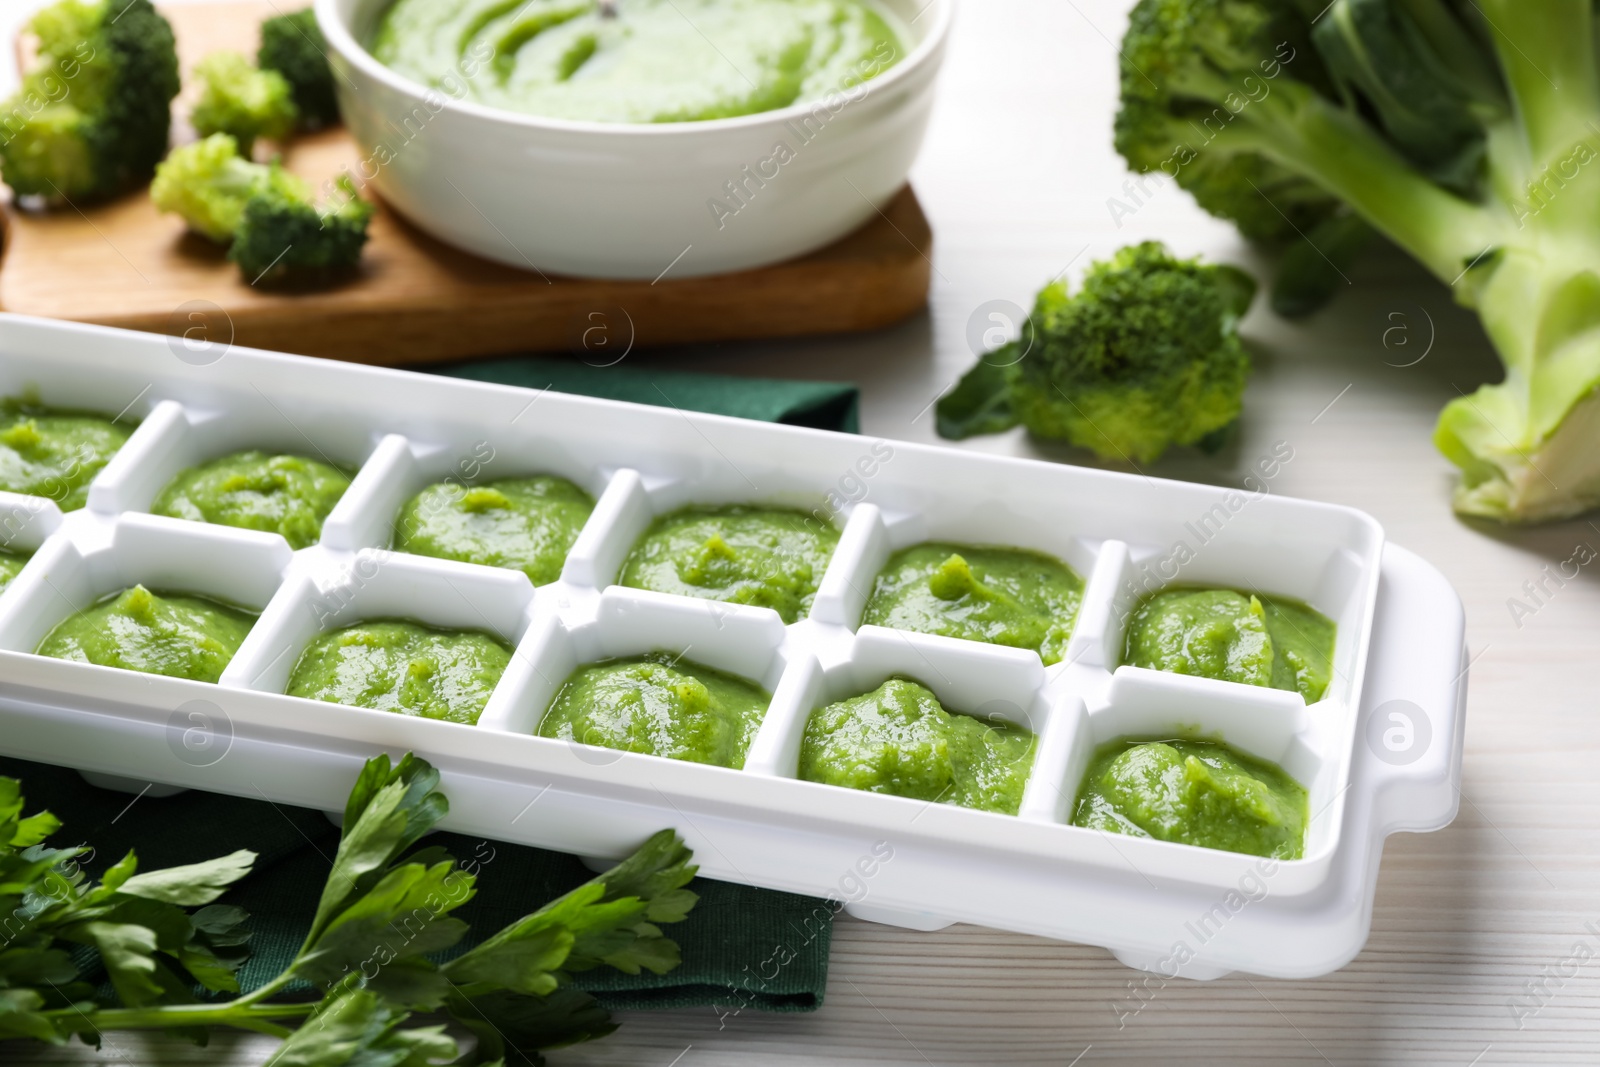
(1379, 753)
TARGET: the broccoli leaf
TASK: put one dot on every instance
(1314, 268)
(980, 403)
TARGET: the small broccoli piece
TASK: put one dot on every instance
(278, 234)
(1144, 356)
(283, 238)
(242, 101)
(93, 114)
(208, 183)
(293, 46)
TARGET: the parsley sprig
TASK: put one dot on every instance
(373, 948)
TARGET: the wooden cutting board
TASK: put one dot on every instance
(416, 299)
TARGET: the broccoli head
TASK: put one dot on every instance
(277, 233)
(1144, 356)
(1467, 132)
(241, 101)
(293, 46)
(93, 114)
(1182, 60)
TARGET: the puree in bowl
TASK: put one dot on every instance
(764, 557)
(1193, 793)
(525, 524)
(899, 739)
(404, 667)
(1233, 637)
(659, 705)
(288, 495)
(1005, 596)
(156, 633)
(654, 61)
(54, 454)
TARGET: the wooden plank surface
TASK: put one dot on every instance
(1018, 177)
(417, 299)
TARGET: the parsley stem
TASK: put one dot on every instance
(258, 1017)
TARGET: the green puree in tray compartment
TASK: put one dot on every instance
(659, 705)
(1004, 596)
(1194, 793)
(765, 557)
(898, 739)
(55, 454)
(11, 564)
(288, 495)
(176, 635)
(405, 667)
(655, 61)
(526, 524)
(1234, 637)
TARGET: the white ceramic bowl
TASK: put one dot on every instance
(617, 200)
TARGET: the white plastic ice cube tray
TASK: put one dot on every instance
(1143, 899)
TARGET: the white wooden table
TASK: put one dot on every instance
(1016, 178)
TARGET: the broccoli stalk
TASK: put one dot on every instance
(1143, 357)
(278, 234)
(242, 101)
(293, 46)
(1466, 132)
(92, 116)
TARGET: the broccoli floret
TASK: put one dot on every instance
(282, 238)
(278, 234)
(208, 184)
(242, 101)
(1465, 131)
(92, 116)
(293, 46)
(1144, 356)
(1185, 54)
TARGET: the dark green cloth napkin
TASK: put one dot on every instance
(820, 405)
(742, 948)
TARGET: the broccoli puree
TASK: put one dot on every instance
(898, 739)
(405, 667)
(1193, 793)
(1234, 637)
(156, 633)
(661, 706)
(55, 454)
(526, 524)
(288, 495)
(11, 565)
(766, 557)
(656, 61)
(1004, 596)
